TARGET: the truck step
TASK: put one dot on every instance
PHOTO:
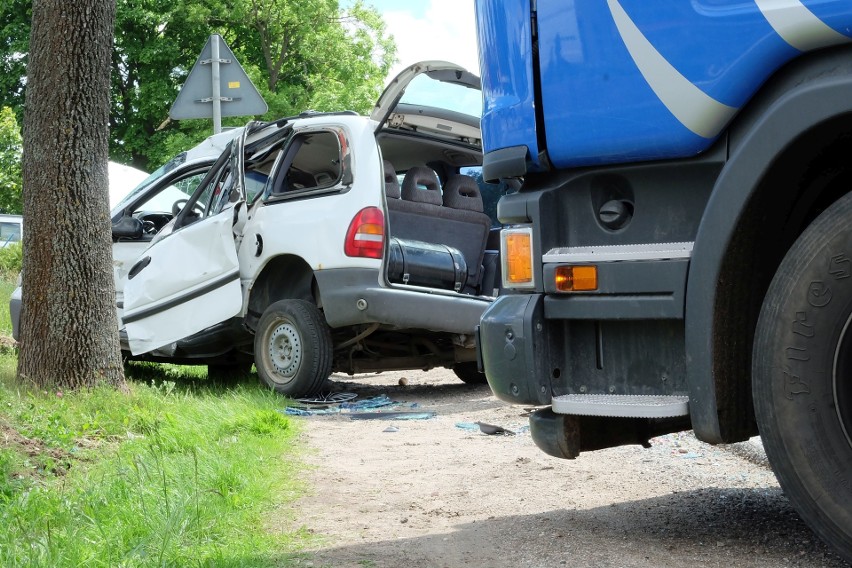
(621, 405)
(615, 253)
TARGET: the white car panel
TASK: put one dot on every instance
(315, 228)
(177, 294)
(122, 179)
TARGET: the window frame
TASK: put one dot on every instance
(341, 184)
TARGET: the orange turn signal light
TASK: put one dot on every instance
(576, 278)
(518, 257)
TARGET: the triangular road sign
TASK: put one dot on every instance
(237, 94)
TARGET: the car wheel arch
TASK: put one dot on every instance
(282, 277)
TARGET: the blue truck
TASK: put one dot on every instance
(679, 254)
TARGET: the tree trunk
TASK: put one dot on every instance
(69, 331)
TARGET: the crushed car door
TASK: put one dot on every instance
(189, 280)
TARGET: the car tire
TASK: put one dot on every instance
(802, 375)
(292, 348)
(469, 373)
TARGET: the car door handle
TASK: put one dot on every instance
(137, 268)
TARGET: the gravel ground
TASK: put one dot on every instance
(435, 492)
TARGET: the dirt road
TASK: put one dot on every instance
(436, 493)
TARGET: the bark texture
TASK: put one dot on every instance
(69, 332)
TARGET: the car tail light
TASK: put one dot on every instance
(366, 234)
(517, 258)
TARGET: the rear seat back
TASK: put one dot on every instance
(462, 192)
(392, 190)
(421, 185)
(456, 219)
(470, 226)
(411, 217)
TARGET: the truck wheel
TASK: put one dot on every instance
(802, 375)
(292, 348)
(468, 373)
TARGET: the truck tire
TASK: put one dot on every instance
(802, 375)
(469, 373)
(292, 348)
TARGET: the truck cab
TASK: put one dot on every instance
(677, 256)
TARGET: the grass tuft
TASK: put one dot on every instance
(180, 471)
(175, 473)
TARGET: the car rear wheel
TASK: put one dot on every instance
(292, 348)
(469, 373)
(802, 375)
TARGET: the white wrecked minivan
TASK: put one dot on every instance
(323, 242)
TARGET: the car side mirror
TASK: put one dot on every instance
(127, 228)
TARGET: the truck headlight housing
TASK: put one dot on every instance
(516, 252)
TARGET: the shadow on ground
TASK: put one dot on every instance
(710, 527)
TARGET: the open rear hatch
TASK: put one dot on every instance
(427, 124)
(433, 98)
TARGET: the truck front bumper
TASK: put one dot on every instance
(512, 353)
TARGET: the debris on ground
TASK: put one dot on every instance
(345, 403)
(329, 398)
(491, 429)
(392, 415)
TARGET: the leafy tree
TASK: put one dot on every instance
(300, 54)
(69, 335)
(14, 37)
(10, 162)
(315, 54)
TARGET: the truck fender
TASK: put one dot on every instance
(807, 93)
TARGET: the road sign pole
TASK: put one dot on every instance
(217, 99)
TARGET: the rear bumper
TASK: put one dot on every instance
(354, 296)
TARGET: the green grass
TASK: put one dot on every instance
(10, 259)
(177, 472)
(168, 475)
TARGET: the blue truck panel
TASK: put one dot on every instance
(628, 80)
(508, 116)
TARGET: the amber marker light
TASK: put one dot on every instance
(576, 278)
(518, 257)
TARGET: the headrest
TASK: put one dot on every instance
(421, 184)
(462, 192)
(391, 181)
